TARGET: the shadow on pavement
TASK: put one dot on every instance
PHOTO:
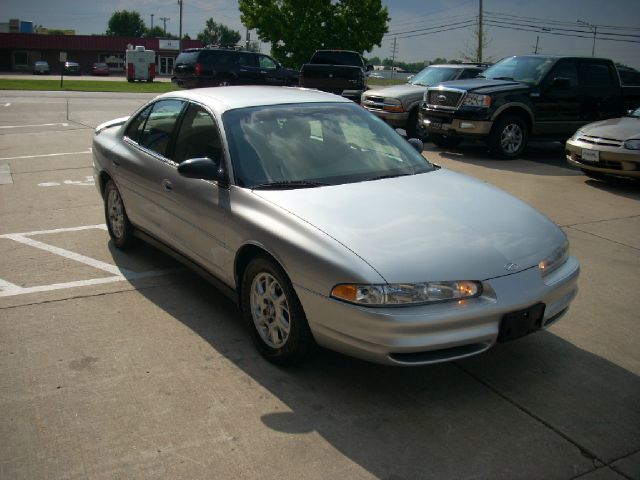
(623, 187)
(505, 414)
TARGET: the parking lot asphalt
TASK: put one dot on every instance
(125, 365)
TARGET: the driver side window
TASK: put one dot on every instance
(565, 69)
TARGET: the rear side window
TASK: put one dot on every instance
(160, 124)
(629, 77)
(187, 58)
(134, 129)
(596, 75)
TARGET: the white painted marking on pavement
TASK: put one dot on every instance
(88, 182)
(8, 289)
(38, 125)
(46, 155)
(7, 104)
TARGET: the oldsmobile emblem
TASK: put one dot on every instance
(510, 267)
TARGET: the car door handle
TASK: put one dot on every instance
(166, 185)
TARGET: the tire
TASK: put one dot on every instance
(414, 129)
(223, 82)
(273, 314)
(594, 175)
(508, 137)
(118, 224)
(444, 141)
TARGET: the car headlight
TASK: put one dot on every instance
(475, 100)
(393, 105)
(406, 293)
(578, 134)
(555, 260)
(632, 144)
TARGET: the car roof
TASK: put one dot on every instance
(221, 99)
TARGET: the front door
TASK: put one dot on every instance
(166, 65)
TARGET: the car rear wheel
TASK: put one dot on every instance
(274, 315)
(508, 137)
(118, 225)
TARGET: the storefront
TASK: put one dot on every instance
(19, 51)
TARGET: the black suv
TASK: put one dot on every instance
(208, 67)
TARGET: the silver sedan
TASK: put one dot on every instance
(328, 228)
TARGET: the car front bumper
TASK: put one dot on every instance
(457, 127)
(612, 160)
(426, 334)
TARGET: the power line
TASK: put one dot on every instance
(557, 22)
(470, 24)
(540, 30)
(548, 29)
(473, 20)
(433, 19)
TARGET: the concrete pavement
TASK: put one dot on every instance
(117, 365)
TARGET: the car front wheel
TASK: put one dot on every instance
(508, 137)
(274, 315)
(118, 225)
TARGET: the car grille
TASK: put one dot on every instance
(447, 99)
(373, 103)
(608, 142)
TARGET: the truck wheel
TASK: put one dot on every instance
(508, 137)
(223, 82)
(414, 128)
(445, 141)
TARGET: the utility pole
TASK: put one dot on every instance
(394, 50)
(594, 29)
(247, 41)
(180, 28)
(537, 40)
(164, 21)
(152, 21)
(480, 33)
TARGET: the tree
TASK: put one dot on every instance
(218, 34)
(124, 23)
(471, 53)
(296, 29)
(154, 32)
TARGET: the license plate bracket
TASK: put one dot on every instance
(523, 322)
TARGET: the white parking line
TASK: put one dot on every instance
(38, 125)
(46, 155)
(8, 289)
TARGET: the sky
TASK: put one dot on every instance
(507, 24)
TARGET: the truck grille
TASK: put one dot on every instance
(447, 99)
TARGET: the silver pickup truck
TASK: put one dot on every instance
(398, 105)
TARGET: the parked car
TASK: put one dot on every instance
(342, 72)
(71, 68)
(210, 67)
(41, 68)
(398, 105)
(526, 96)
(100, 69)
(609, 147)
(328, 227)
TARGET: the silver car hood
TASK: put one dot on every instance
(398, 91)
(439, 225)
(623, 128)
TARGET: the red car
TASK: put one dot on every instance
(100, 69)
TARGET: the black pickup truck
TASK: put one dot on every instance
(523, 97)
(336, 71)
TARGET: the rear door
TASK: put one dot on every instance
(600, 90)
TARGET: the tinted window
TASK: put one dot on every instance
(469, 73)
(596, 75)
(134, 129)
(198, 136)
(565, 69)
(187, 58)
(266, 62)
(629, 77)
(159, 126)
(247, 60)
(337, 58)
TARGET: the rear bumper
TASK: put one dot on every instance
(441, 332)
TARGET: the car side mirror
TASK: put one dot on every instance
(202, 168)
(417, 144)
(560, 83)
(369, 68)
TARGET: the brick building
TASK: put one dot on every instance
(19, 51)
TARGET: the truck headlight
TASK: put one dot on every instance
(475, 100)
(406, 293)
(393, 105)
(632, 144)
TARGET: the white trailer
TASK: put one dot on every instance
(141, 64)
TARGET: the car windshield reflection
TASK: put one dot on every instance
(307, 145)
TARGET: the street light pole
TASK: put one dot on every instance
(180, 33)
(152, 21)
(594, 29)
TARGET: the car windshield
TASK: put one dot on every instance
(520, 69)
(433, 75)
(312, 144)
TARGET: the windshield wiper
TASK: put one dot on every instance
(503, 78)
(391, 175)
(287, 184)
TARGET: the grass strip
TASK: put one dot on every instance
(88, 86)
